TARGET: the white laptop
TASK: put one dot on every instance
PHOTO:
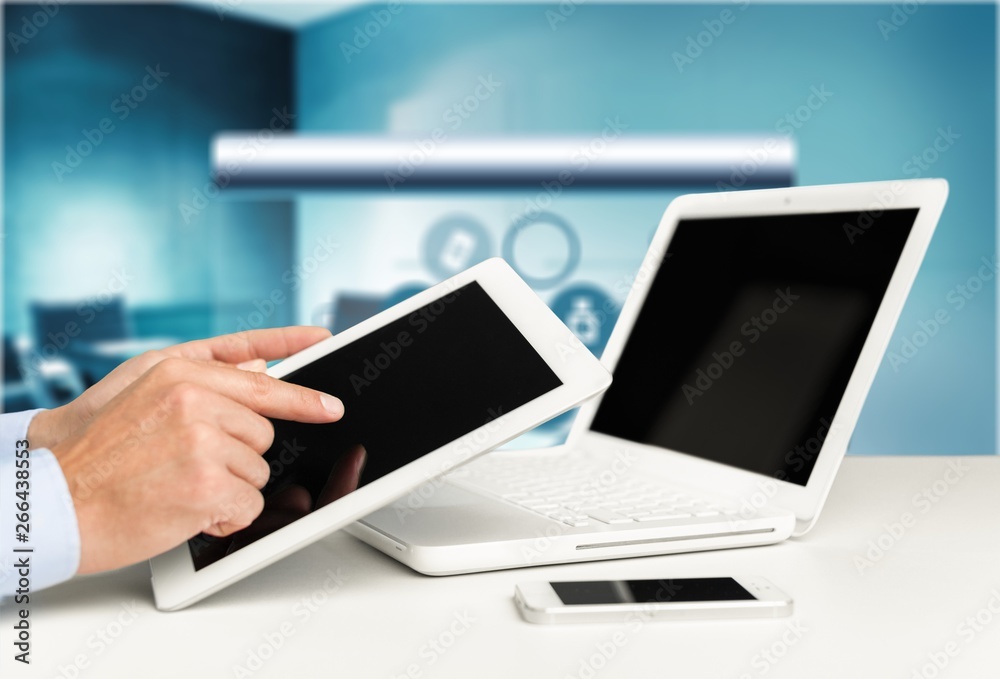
(741, 359)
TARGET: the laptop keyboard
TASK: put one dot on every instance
(581, 493)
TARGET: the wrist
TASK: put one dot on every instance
(48, 428)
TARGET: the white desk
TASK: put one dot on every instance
(380, 621)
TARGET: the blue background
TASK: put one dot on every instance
(892, 93)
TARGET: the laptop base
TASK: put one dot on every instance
(457, 531)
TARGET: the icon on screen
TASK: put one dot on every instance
(455, 243)
(589, 312)
(584, 321)
(457, 250)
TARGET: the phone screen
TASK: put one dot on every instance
(650, 591)
(409, 387)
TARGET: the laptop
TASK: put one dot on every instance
(742, 356)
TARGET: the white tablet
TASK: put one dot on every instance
(429, 384)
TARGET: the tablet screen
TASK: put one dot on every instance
(410, 387)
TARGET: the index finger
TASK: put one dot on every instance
(260, 392)
(267, 343)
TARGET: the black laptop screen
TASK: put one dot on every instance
(750, 334)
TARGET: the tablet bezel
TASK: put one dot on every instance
(177, 584)
(928, 195)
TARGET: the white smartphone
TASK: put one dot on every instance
(665, 599)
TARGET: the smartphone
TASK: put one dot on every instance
(666, 599)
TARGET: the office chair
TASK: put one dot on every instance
(58, 327)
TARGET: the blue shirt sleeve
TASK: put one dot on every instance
(50, 553)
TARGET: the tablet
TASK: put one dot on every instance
(428, 384)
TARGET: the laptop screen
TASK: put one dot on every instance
(749, 335)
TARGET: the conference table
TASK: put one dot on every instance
(900, 578)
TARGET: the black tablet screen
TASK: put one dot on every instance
(408, 388)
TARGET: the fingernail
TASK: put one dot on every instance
(332, 404)
(252, 364)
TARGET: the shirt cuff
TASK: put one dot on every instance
(13, 428)
(52, 532)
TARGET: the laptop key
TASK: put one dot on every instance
(672, 513)
(662, 517)
(532, 502)
(607, 516)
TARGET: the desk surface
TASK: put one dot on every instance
(931, 594)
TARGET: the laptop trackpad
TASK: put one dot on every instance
(452, 515)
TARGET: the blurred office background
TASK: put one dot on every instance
(116, 238)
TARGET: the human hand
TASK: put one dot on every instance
(248, 350)
(289, 504)
(177, 453)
